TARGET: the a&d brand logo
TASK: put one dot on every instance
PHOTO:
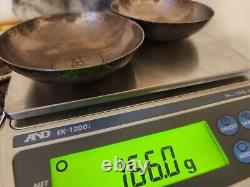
(37, 136)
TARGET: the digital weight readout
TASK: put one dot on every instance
(174, 155)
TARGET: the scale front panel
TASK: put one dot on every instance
(208, 145)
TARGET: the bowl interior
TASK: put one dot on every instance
(70, 41)
(163, 11)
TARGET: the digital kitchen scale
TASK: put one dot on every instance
(183, 106)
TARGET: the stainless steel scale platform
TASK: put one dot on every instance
(157, 67)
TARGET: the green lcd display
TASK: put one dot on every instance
(174, 155)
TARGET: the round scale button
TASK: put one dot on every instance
(244, 119)
(227, 125)
(242, 151)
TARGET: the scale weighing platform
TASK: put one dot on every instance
(184, 106)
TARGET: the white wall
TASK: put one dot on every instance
(6, 11)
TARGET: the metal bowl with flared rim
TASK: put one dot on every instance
(165, 20)
(71, 48)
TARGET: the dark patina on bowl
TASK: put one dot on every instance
(71, 48)
(165, 20)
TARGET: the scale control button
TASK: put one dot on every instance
(244, 119)
(227, 125)
(242, 151)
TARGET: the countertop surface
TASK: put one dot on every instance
(231, 23)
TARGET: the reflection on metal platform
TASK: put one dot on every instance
(157, 67)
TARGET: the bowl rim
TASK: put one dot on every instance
(114, 2)
(11, 64)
